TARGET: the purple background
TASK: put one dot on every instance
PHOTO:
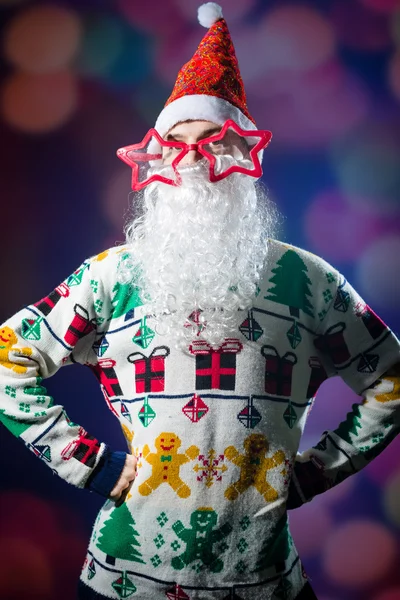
(81, 79)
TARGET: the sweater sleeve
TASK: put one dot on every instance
(34, 343)
(356, 345)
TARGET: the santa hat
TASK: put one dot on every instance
(209, 87)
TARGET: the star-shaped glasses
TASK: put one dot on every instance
(231, 150)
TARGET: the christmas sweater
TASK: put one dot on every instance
(216, 430)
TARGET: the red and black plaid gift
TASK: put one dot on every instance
(371, 321)
(84, 449)
(80, 326)
(216, 368)
(105, 373)
(46, 304)
(278, 371)
(317, 376)
(333, 343)
(150, 370)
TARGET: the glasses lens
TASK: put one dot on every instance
(231, 149)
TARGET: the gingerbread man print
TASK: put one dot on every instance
(254, 466)
(200, 538)
(8, 339)
(166, 463)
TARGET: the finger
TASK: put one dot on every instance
(122, 497)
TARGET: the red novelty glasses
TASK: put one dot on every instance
(231, 150)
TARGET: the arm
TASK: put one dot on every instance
(366, 356)
(367, 430)
(34, 344)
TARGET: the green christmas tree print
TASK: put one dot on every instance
(126, 297)
(291, 284)
(276, 548)
(117, 537)
(16, 427)
(350, 425)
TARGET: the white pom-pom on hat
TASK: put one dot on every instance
(209, 13)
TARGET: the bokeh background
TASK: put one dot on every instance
(79, 79)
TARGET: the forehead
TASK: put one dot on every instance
(192, 127)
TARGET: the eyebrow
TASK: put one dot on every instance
(205, 134)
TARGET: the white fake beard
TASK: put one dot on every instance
(199, 247)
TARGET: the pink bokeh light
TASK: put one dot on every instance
(382, 6)
(42, 547)
(39, 103)
(25, 569)
(392, 593)
(338, 230)
(309, 111)
(359, 553)
(391, 498)
(43, 39)
(310, 540)
(296, 37)
(394, 74)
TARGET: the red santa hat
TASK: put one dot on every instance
(209, 87)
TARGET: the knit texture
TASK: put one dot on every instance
(216, 430)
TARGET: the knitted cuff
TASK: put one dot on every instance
(306, 482)
(107, 472)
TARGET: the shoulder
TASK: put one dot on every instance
(108, 259)
(310, 263)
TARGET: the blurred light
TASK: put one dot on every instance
(149, 99)
(390, 594)
(42, 39)
(102, 44)
(367, 161)
(391, 499)
(360, 28)
(394, 74)
(311, 115)
(333, 400)
(25, 570)
(310, 540)
(164, 19)
(39, 103)
(11, 2)
(339, 492)
(171, 53)
(384, 6)
(395, 27)
(377, 273)
(134, 62)
(233, 10)
(118, 197)
(296, 37)
(337, 230)
(358, 553)
(384, 466)
(39, 522)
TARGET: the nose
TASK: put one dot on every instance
(192, 157)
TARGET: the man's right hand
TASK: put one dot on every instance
(125, 481)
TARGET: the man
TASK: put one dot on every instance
(209, 339)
